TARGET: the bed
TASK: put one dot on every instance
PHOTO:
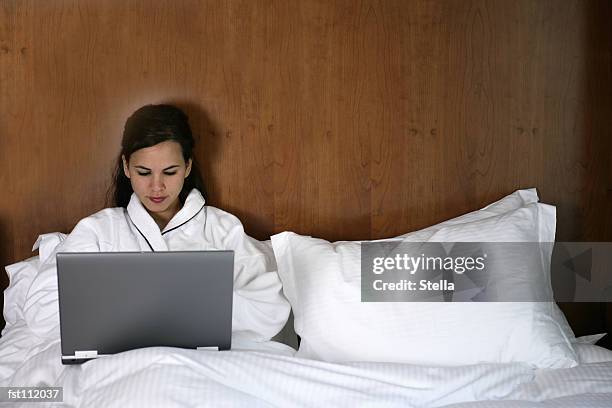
(268, 376)
(324, 370)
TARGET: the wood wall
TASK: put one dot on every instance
(339, 119)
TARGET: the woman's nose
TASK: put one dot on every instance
(157, 183)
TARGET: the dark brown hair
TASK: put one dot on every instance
(146, 127)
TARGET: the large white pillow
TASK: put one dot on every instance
(21, 275)
(322, 281)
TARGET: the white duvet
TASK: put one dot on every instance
(267, 374)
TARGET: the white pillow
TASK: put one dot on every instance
(518, 199)
(589, 353)
(21, 275)
(590, 339)
(322, 281)
(46, 244)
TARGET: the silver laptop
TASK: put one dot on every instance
(117, 301)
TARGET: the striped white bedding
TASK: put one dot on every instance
(264, 375)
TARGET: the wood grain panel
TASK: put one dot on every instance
(343, 120)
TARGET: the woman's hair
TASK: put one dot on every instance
(148, 126)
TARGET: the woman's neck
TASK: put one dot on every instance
(163, 218)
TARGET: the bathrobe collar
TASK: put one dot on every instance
(148, 229)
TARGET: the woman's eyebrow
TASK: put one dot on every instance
(148, 169)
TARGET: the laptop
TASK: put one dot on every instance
(111, 302)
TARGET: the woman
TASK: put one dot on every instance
(159, 206)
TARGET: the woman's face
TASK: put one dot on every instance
(157, 174)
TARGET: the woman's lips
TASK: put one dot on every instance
(157, 200)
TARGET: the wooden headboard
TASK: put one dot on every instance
(342, 120)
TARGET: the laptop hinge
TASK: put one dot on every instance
(214, 348)
(86, 354)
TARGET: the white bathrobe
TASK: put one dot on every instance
(259, 308)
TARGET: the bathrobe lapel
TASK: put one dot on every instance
(151, 237)
(194, 204)
(145, 226)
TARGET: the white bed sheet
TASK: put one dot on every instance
(267, 374)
